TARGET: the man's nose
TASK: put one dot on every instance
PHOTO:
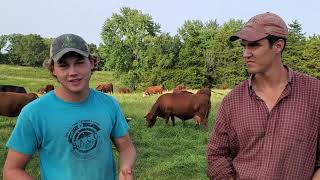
(72, 70)
(246, 52)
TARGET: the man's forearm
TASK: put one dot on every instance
(13, 174)
(316, 175)
(127, 158)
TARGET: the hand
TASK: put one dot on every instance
(316, 175)
(126, 174)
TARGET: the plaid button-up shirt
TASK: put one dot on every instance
(251, 142)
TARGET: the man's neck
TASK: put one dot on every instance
(273, 79)
(71, 96)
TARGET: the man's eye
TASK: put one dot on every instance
(80, 62)
(62, 65)
(254, 44)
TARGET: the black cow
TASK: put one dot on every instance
(12, 88)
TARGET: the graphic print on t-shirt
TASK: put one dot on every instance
(84, 138)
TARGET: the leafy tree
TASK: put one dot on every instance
(3, 43)
(94, 51)
(193, 36)
(27, 50)
(123, 38)
(161, 51)
(200, 54)
(224, 58)
(311, 55)
(295, 46)
(191, 52)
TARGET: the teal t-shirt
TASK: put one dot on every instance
(73, 139)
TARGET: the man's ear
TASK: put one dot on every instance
(53, 71)
(94, 60)
(279, 45)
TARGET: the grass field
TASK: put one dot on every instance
(164, 152)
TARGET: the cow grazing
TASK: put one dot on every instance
(153, 90)
(123, 90)
(11, 103)
(182, 105)
(46, 89)
(12, 88)
(106, 88)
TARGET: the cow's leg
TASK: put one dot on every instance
(167, 116)
(206, 124)
(167, 120)
(197, 120)
(172, 119)
(183, 123)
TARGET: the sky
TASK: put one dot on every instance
(51, 18)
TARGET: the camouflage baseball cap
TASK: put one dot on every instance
(67, 43)
(260, 26)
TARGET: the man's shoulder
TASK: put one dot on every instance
(239, 89)
(237, 93)
(41, 100)
(104, 97)
(101, 95)
(306, 81)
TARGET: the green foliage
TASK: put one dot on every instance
(27, 50)
(170, 78)
(295, 45)
(192, 49)
(123, 37)
(310, 63)
(3, 55)
(224, 59)
(161, 51)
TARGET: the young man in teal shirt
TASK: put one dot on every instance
(72, 127)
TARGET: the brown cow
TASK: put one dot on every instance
(182, 105)
(46, 89)
(123, 90)
(153, 90)
(106, 88)
(12, 88)
(11, 103)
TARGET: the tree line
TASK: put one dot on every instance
(139, 54)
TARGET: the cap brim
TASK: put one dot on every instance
(248, 35)
(57, 56)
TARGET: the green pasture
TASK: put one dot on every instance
(164, 152)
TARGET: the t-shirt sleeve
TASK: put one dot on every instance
(120, 126)
(23, 137)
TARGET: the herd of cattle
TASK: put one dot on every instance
(180, 102)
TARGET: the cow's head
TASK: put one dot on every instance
(32, 96)
(151, 119)
(205, 91)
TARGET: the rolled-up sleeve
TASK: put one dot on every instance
(218, 151)
(317, 166)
